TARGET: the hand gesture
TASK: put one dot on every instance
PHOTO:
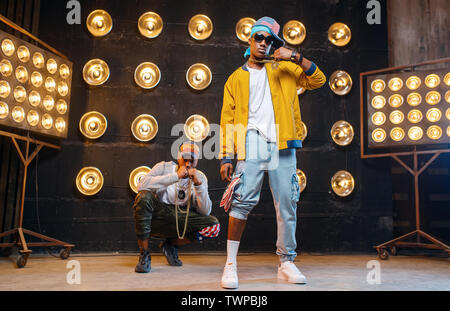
(225, 171)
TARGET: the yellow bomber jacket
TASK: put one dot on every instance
(283, 82)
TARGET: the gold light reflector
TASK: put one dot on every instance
(301, 179)
(23, 53)
(64, 71)
(136, 176)
(415, 116)
(396, 117)
(4, 110)
(33, 118)
(21, 74)
(95, 72)
(415, 133)
(50, 84)
(52, 66)
(63, 88)
(294, 32)
(34, 98)
(244, 28)
(378, 135)
(434, 115)
(397, 134)
(8, 47)
(61, 106)
(89, 180)
(340, 82)
(342, 183)
(38, 60)
(342, 133)
(99, 23)
(378, 102)
(378, 86)
(395, 84)
(339, 34)
(18, 114)
(93, 124)
(433, 98)
(198, 76)
(147, 75)
(36, 79)
(20, 94)
(432, 80)
(150, 24)
(413, 82)
(5, 67)
(200, 27)
(5, 89)
(303, 130)
(48, 102)
(414, 99)
(434, 132)
(196, 128)
(47, 121)
(447, 79)
(378, 118)
(396, 100)
(144, 127)
(447, 96)
(60, 124)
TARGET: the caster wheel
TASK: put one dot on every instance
(383, 254)
(6, 251)
(393, 250)
(65, 253)
(22, 260)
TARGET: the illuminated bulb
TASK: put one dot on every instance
(415, 133)
(434, 115)
(34, 98)
(64, 71)
(396, 117)
(396, 100)
(447, 96)
(23, 54)
(243, 28)
(95, 72)
(5, 89)
(8, 47)
(18, 114)
(150, 24)
(60, 124)
(50, 84)
(21, 74)
(378, 135)
(395, 84)
(52, 66)
(415, 116)
(414, 99)
(48, 102)
(20, 94)
(413, 82)
(447, 113)
(61, 106)
(397, 134)
(433, 98)
(63, 89)
(378, 118)
(294, 32)
(4, 110)
(200, 27)
(36, 79)
(33, 118)
(448, 131)
(38, 60)
(339, 34)
(378, 86)
(5, 68)
(447, 79)
(47, 121)
(99, 23)
(432, 80)
(378, 102)
(198, 76)
(342, 183)
(434, 132)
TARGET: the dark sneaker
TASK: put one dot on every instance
(144, 264)
(171, 253)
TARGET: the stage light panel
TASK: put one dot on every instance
(339, 34)
(244, 28)
(200, 27)
(294, 32)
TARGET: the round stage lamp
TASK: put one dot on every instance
(397, 134)
(434, 132)
(136, 176)
(4, 110)
(447, 113)
(6, 68)
(378, 135)
(378, 118)
(415, 133)
(340, 82)
(432, 80)
(52, 66)
(5, 89)
(93, 125)
(144, 127)
(378, 102)
(301, 179)
(396, 100)
(433, 115)
(378, 86)
(413, 82)
(23, 53)
(18, 114)
(50, 84)
(33, 118)
(47, 121)
(447, 79)
(339, 34)
(415, 116)
(99, 23)
(8, 47)
(61, 106)
(199, 77)
(303, 130)
(21, 74)
(60, 124)
(64, 71)
(294, 32)
(196, 128)
(433, 98)
(244, 28)
(342, 133)
(95, 72)
(20, 94)
(89, 180)
(414, 99)
(34, 98)
(147, 75)
(63, 89)
(150, 24)
(342, 183)
(38, 60)
(396, 117)
(447, 96)
(48, 102)
(200, 27)
(448, 131)
(395, 84)
(36, 79)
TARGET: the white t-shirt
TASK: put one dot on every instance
(260, 108)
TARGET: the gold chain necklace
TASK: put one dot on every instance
(187, 210)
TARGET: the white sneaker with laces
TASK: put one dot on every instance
(229, 277)
(289, 272)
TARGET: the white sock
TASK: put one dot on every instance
(232, 250)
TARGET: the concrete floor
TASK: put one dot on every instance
(202, 272)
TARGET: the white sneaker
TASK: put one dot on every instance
(229, 277)
(289, 272)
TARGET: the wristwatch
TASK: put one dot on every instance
(294, 56)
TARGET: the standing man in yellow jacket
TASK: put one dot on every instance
(261, 128)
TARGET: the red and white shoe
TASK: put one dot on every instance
(289, 272)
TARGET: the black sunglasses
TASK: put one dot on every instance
(259, 37)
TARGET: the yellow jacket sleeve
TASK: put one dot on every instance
(227, 122)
